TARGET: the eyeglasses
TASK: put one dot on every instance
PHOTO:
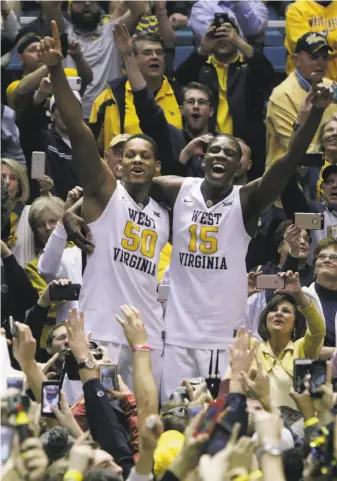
(201, 102)
(148, 52)
(331, 257)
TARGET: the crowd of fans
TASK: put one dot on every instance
(168, 243)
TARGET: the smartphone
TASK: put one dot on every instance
(304, 220)
(334, 93)
(209, 419)
(269, 281)
(315, 159)
(302, 367)
(220, 19)
(75, 83)
(108, 376)
(12, 327)
(7, 436)
(70, 292)
(318, 377)
(163, 292)
(16, 382)
(50, 398)
(38, 165)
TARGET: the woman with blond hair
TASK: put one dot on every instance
(44, 219)
(17, 233)
(327, 143)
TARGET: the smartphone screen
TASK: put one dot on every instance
(50, 398)
(302, 367)
(7, 435)
(108, 376)
(318, 377)
(16, 382)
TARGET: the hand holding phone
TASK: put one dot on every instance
(69, 292)
(50, 398)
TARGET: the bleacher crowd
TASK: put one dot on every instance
(168, 240)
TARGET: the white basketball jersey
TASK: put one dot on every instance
(208, 277)
(123, 268)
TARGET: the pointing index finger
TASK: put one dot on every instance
(56, 35)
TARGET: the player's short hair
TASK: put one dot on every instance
(198, 86)
(230, 137)
(148, 139)
(146, 37)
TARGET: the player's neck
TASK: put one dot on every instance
(138, 193)
(215, 195)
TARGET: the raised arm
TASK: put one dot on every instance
(276, 178)
(96, 178)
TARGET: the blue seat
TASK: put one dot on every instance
(184, 36)
(273, 38)
(14, 63)
(181, 54)
(277, 56)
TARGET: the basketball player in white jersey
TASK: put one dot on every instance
(213, 222)
(129, 228)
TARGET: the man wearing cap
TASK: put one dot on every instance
(312, 58)
(312, 16)
(240, 78)
(294, 200)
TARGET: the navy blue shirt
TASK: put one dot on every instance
(328, 300)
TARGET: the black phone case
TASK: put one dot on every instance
(71, 292)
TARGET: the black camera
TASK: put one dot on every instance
(18, 402)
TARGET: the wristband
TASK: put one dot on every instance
(143, 347)
(255, 475)
(73, 475)
(311, 422)
(241, 478)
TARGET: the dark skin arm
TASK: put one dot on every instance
(258, 195)
(97, 180)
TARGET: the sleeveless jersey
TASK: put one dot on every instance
(123, 268)
(208, 277)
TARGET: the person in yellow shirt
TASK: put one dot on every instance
(287, 98)
(309, 16)
(113, 111)
(20, 92)
(291, 327)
